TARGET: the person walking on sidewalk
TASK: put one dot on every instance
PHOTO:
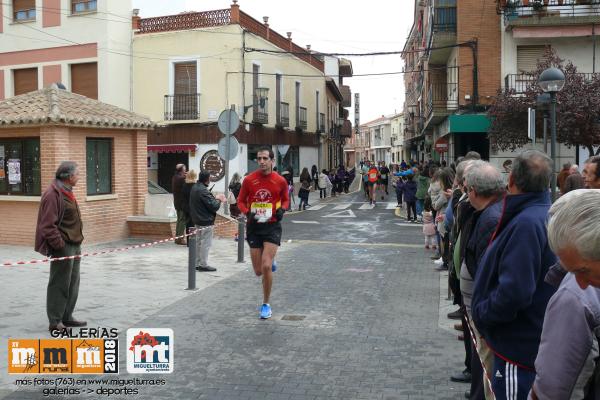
(263, 199)
(323, 184)
(177, 182)
(203, 209)
(190, 180)
(234, 188)
(59, 233)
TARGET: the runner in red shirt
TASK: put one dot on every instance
(263, 199)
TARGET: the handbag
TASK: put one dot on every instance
(231, 198)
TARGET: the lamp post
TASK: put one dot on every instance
(551, 81)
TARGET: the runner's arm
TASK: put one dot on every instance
(242, 199)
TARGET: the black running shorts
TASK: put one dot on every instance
(257, 234)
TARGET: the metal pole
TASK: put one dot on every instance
(227, 146)
(241, 224)
(553, 144)
(545, 133)
(192, 261)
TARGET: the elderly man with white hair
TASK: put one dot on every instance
(564, 364)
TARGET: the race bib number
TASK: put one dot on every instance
(373, 176)
(263, 211)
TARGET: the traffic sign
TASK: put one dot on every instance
(233, 148)
(229, 122)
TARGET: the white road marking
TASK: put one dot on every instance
(306, 222)
(408, 224)
(367, 207)
(316, 207)
(342, 206)
(341, 214)
(391, 206)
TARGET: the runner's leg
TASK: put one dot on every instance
(268, 254)
(256, 256)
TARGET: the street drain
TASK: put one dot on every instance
(293, 317)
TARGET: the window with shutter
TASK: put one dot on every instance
(528, 56)
(20, 167)
(84, 79)
(99, 166)
(25, 80)
(23, 10)
(185, 99)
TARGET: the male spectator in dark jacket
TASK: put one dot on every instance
(59, 233)
(591, 172)
(485, 187)
(564, 366)
(177, 183)
(203, 210)
(510, 295)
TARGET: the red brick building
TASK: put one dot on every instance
(40, 129)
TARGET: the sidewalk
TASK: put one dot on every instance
(117, 290)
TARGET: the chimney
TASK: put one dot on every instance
(135, 19)
(289, 35)
(234, 17)
(266, 21)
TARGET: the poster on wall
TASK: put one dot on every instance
(2, 173)
(14, 171)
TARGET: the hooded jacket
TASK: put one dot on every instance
(510, 295)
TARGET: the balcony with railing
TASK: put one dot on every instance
(260, 114)
(521, 82)
(443, 30)
(301, 121)
(442, 100)
(549, 12)
(181, 107)
(321, 122)
(283, 116)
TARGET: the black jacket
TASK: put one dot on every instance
(203, 205)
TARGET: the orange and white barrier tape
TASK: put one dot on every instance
(120, 249)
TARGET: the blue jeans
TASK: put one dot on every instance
(420, 205)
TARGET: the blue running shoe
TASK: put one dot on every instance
(265, 311)
(274, 266)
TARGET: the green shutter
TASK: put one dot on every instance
(31, 169)
(98, 166)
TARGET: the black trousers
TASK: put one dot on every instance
(411, 206)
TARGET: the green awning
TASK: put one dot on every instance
(468, 123)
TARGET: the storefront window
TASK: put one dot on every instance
(292, 158)
(20, 167)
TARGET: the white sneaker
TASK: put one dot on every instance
(439, 261)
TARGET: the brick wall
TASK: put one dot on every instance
(478, 19)
(103, 220)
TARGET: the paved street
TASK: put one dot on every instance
(356, 314)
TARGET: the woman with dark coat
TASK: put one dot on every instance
(314, 174)
(190, 179)
(234, 187)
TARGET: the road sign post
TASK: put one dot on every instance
(228, 124)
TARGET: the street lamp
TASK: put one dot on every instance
(551, 81)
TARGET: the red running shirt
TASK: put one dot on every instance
(263, 194)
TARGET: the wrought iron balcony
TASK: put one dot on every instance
(179, 107)
(514, 9)
(283, 118)
(260, 110)
(442, 99)
(301, 121)
(521, 82)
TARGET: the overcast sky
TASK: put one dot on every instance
(330, 26)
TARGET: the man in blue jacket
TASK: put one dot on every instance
(510, 295)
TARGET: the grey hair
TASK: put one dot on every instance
(485, 179)
(575, 222)
(65, 170)
(460, 169)
(532, 171)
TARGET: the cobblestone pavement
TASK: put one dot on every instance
(356, 315)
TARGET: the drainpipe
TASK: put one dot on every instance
(594, 48)
(243, 109)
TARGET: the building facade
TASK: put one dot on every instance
(528, 29)
(454, 62)
(226, 58)
(397, 138)
(83, 44)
